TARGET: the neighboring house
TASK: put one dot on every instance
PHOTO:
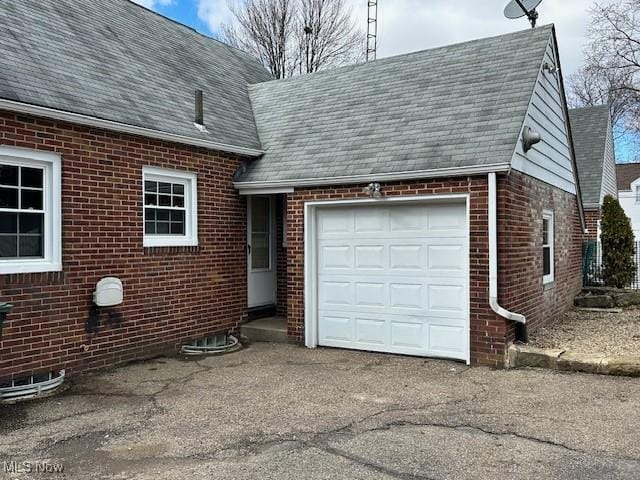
(629, 193)
(398, 206)
(592, 134)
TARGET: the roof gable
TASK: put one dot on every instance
(451, 107)
(550, 160)
(117, 61)
(590, 127)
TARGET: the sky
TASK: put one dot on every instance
(410, 25)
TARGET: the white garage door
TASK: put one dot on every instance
(394, 278)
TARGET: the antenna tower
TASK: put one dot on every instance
(372, 29)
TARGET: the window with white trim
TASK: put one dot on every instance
(170, 208)
(638, 194)
(547, 246)
(30, 215)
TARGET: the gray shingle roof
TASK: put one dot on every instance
(589, 127)
(115, 60)
(456, 106)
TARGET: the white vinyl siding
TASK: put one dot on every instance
(609, 184)
(549, 160)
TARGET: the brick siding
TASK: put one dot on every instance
(520, 247)
(171, 295)
(521, 200)
(281, 258)
(591, 218)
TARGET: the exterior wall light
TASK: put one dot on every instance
(373, 190)
(529, 138)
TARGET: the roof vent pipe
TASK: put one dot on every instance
(199, 108)
(521, 329)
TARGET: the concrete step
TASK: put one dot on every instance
(271, 329)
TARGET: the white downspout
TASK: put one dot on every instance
(493, 257)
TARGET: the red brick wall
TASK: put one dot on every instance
(521, 200)
(591, 218)
(170, 294)
(281, 254)
(520, 283)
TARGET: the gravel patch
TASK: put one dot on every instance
(593, 332)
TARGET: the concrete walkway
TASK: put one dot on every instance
(285, 412)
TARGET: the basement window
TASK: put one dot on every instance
(29, 211)
(170, 208)
(547, 246)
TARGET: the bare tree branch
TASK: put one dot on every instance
(294, 37)
(612, 71)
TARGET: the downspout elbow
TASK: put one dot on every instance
(521, 333)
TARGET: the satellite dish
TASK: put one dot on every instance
(521, 8)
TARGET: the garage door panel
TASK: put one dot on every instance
(407, 295)
(407, 258)
(336, 257)
(447, 340)
(371, 221)
(394, 279)
(411, 219)
(370, 294)
(408, 335)
(447, 298)
(370, 257)
(335, 293)
(447, 218)
(334, 221)
(334, 327)
(370, 331)
(446, 259)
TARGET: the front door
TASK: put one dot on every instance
(261, 251)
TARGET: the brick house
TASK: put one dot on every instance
(592, 134)
(426, 204)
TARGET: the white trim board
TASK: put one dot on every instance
(375, 177)
(311, 323)
(96, 122)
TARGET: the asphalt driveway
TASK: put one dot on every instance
(279, 411)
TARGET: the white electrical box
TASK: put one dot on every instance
(108, 292)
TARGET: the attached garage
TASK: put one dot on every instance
(389, 276)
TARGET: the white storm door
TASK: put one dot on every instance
(261, 251)
(394, 278)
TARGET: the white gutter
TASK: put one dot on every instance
(96, 122)
(379, 177)
(493, 257)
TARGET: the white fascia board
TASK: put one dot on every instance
(377, 177)
(96, 122)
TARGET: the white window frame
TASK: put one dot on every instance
(548, 215)
(51, 163)
(190, 182)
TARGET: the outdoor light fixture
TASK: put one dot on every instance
(5, 308)
(373, 190)
(552, 69)
(529, 138)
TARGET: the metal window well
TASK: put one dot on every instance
(212, 345)
(32, 386)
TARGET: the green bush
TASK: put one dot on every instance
(617, 245)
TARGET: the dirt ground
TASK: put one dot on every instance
(593, 332)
